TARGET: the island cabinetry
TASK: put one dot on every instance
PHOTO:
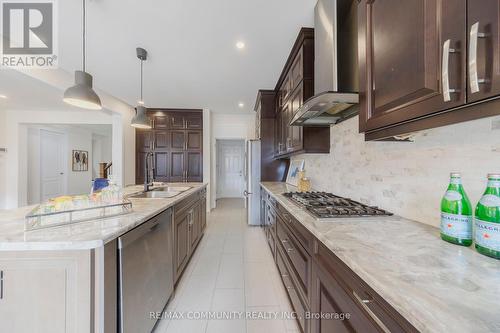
(45, 291)
(189, 226)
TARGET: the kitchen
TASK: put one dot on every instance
(348, 183)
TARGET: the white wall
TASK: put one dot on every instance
(101, 152)
(228, 126)
(408, 179)
(3, 156)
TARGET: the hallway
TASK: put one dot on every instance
(231, 271)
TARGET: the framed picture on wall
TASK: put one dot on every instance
(80, 160)
(293, 172)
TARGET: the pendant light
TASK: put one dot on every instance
(141, 120)
(81, 94)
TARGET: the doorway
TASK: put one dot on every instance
(230, 168)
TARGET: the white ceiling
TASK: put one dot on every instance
(193, 61)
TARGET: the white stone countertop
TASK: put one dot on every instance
(83, 235)
(435, 285)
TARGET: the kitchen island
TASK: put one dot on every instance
(389, 273)
(65, 279)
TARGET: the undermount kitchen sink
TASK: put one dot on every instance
(156, 194)
(173, 188)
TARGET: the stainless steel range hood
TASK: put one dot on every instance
(336, 66)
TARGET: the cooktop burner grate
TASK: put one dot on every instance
(326, 205)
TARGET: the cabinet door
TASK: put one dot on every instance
(161, 166)
(296, 138)
(195, 226)
(484, 49)
(140, 166)
(194, 166)
(176, 168)
(143, 140)
(297, 69)
(402, 50)
(177, 120)
(182, 241)
(203, 212)
(329, 297)
(194, 121)
(177, 140)
(194, 140)
(160, 122)
(161, 140)
(278, 136)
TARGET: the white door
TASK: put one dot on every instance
(52, 164)
(231, 160)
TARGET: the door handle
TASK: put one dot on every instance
(474, 80)
(1, 284)
(246, 193)
(364, 304)
(445, 71)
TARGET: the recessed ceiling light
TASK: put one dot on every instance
(240, 45)
(3, 96)
(241, 104)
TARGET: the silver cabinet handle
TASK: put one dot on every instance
(364, 304)
(473, 76)
(289, 250)
(445, 71)
(1, 284)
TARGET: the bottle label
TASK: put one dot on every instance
(452, 196)
(457, 226)
(493, 183)
(487, 234)
(490, 200)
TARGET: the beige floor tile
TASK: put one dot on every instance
(274, 325)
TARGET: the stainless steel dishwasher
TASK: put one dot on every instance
(146, 273)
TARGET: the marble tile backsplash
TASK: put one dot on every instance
(407, 178)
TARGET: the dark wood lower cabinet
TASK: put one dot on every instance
(190, 221)
(326, 295)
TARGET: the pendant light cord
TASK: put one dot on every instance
(84, 35)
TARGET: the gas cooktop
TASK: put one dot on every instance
(326, 205)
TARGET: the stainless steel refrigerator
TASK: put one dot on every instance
(252, 181)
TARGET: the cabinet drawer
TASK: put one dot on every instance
(271, 242)
(299, 231)
(299, 259)
(297, 301)
(366, 299)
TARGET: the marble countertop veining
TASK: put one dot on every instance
(83, 235)
(436, 286)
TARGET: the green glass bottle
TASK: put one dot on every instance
(487, 222)
(456, 213)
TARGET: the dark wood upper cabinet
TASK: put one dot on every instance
(426, 63)
(271, 169)
(177, 140)
(161, 166)
(143, 140)
(176, 168)
(176, 120)
(194, 140)
(174, 133)
(193, 121)
(484, 47)
(161, 139)
(194, 166)
(294, 87)
(402, 73)
(160, 121)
